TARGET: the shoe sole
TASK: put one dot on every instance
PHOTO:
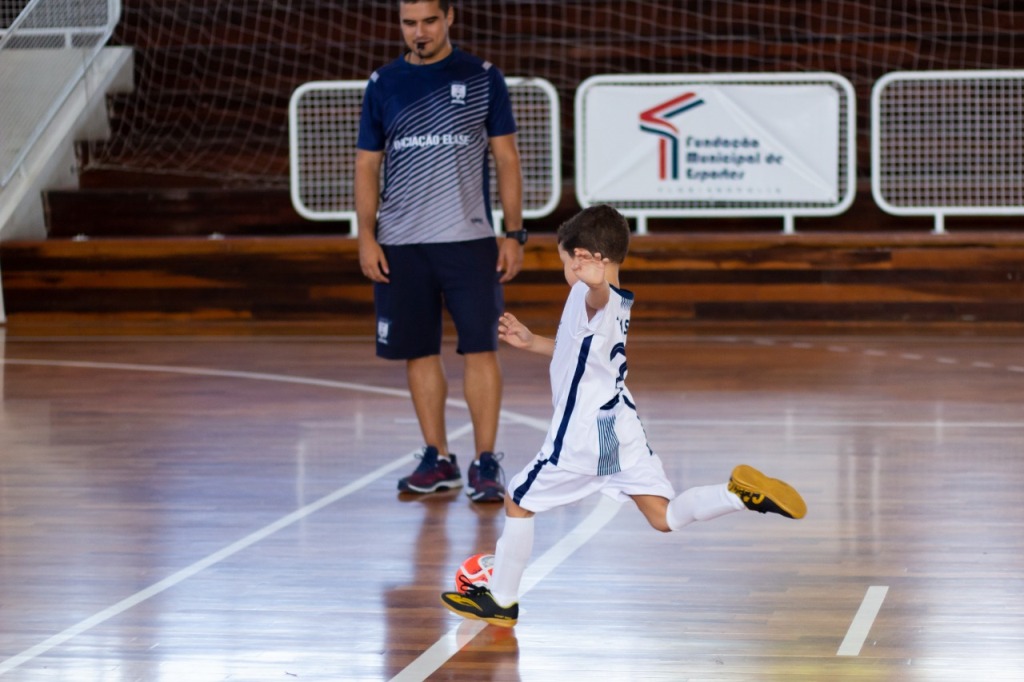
(492, 493)
(437, 487)
(781, 493)
(500, 622)
(485, 496)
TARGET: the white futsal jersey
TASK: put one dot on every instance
(595, 429)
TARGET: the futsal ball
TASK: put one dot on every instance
(476, 570)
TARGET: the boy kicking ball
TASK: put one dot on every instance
(596, 442)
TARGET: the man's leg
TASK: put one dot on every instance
(437, 469)
(475, 300)
(429, 388)
(482, 387)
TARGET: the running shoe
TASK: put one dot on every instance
(766, 495)
(477, 603)
(485, 479)
(433, 473)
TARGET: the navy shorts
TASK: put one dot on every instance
(426, 279)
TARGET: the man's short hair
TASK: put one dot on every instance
(443, 4)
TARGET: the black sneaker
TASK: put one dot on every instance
(432, 474)
(485, 479)
(763, 494)
(477, 603)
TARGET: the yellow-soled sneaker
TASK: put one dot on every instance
(766, 495)
(478, 603)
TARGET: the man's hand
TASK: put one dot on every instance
(510, 259)
(372, 261)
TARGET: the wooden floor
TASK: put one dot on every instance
(209, 508)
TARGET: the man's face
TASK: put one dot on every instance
(425, 29)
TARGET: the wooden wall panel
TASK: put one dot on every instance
(677, 278)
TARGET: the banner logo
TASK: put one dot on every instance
(656, 121)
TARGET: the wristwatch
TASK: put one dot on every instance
(519, 235)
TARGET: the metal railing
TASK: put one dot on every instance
(948, 143)
(67, 34)
(323, 126)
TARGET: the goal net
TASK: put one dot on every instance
(213, 79)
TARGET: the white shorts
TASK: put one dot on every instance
(541, 486)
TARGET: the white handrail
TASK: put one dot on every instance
(5, 34)
(100, 33)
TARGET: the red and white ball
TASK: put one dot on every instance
(476, 570)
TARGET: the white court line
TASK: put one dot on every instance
(862, 622)
(202, 564)
(451, 642)
(249, 540)
(882, 353)
(202, 371)
(434, 657)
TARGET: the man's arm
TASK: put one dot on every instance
(367, 190)
(510, 189)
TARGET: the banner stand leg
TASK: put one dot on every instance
(641, 224)
(788, 224)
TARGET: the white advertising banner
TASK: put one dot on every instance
(713, 142)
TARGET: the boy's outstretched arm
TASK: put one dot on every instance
(516, 334)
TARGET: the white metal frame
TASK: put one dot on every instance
(970, 111)
(788, 211)
(342, 170)
(100, 33)
(15, 30)
(68, 33)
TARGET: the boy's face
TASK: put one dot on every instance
(425, 30)
(567, 258)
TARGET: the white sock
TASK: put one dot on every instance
(511, 555)
(702, 503)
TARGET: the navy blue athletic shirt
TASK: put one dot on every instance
(433, 122)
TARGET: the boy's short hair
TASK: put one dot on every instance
(599, 229)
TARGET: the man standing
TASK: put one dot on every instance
(426, 238)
